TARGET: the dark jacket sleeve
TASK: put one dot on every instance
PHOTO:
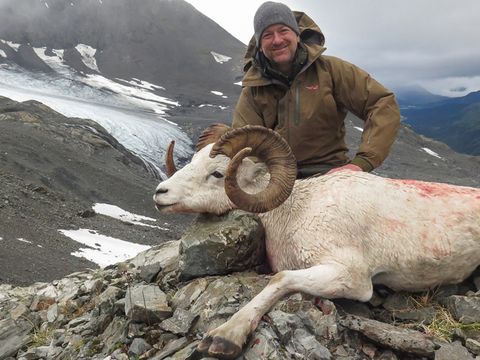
(246, 111)
(370, 101)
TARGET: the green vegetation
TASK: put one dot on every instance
(443, 324)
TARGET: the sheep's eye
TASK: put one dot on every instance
(217, 175)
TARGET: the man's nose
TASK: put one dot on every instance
(277, 38)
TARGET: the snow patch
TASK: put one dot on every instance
(431, 152)
(143, 84)
(218, 93)
(2, 54)
(220, 58)
(24, 240)
(103, 250)
(12, 45)
(120, 214)
(358, 128)
(210, 105)
(52, 61)
(88, 56)
(138, 96)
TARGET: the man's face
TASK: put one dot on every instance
(279, 44)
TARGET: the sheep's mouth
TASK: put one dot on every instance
(174, 208)
(162, 208)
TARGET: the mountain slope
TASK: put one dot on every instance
(138, 68)
(455, 122)
(53, 169)
(415, 96)
(152, 40)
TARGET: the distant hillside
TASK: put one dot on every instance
(415, 96)
(454, 121)
(148, 40)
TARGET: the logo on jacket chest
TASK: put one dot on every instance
(312, 88)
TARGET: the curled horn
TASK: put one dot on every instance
(169, 163)
(269, 147)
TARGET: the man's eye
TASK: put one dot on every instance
(217, 175)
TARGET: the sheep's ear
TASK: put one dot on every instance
(211, 135)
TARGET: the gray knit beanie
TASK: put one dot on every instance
(271, 13)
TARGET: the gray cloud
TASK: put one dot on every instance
(400, 42)
(403, 42)
(433, 43)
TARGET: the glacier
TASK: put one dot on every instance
(130, 110)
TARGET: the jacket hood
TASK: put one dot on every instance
(310, 35)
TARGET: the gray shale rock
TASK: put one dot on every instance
(171, 348)
(219, 245)
(180, 323)
(399, 339)
(140, 309)
(473, 346)
(452, 351)
(307, 347)
(138, 347)
(463, 309)
(14, 334)
(146, 304)
(157, 262)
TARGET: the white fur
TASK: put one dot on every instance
(338, 234)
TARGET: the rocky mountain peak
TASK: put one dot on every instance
(148, 40)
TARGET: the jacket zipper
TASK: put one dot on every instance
(281, 113)
(296, 105)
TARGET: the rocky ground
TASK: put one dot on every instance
(53, 169)
(142, 309)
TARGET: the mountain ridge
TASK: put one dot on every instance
(148, 41)
(454, 121)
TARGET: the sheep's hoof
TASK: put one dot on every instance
(219, 347)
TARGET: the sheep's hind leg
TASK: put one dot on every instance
(326, 281)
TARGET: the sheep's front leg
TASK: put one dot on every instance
(326, 281)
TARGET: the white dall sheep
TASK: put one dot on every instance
(331, 236)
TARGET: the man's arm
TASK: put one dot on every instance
(370, 101)
(246, 111)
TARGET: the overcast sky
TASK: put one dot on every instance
(432, 43)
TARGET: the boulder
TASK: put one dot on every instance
(219, 245)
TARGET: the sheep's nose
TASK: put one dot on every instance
(161, 191)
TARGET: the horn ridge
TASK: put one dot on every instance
(268, 146)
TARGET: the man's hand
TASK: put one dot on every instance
(347, 167)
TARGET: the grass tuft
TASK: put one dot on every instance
(443, 324)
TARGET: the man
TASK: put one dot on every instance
(290, 87)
